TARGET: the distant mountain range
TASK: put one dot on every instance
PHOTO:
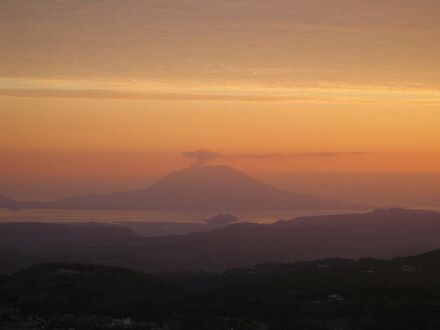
(202, 188)
(384, 233)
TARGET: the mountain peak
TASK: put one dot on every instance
(211, 175)
(212, 169)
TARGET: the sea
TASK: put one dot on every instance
(69, 216)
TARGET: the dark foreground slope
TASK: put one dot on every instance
(202, 188)
(403, 293)
(379, 234)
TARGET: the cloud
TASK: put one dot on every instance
(314, 96)
(129, 95)
(161, 96)
(233, 42)
(202, 157)
(328, 154)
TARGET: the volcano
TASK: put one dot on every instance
(201, 188)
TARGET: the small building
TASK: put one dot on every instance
(408, 268)
(335, 297)
(124, 323)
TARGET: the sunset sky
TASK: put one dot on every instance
(324, 96)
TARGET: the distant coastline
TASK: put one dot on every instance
(54, 215)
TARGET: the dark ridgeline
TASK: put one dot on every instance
(401, 293)
(382, 233)
(200, 188)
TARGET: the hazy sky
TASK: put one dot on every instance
(107, 95)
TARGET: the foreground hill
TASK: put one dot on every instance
(402, 293)
(66, 288)
(202, 188)
(380, 234)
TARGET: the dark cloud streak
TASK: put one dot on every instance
(203, 157)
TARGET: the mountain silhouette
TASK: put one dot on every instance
(200, 188)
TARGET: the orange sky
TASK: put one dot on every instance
(109, 94)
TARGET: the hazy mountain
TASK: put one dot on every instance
(377, 221)
(380, 234)
(201, 188)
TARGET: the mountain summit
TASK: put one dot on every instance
(200, 188)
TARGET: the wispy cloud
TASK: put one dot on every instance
(309, 96)
(181, 90)
(127, 95)
(203, 157)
